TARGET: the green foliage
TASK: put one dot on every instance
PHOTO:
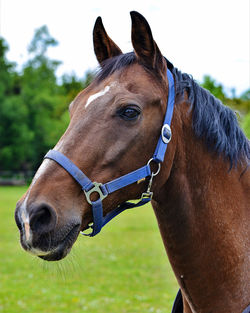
(246, 95)
(246, 125)
(72, 85)
(45, 99)
(112, 272)
(41, 41)
(33, 105)
(6, 71)
(15, 136)
(241, 104)
(215, 88)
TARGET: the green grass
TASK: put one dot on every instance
(123, 269)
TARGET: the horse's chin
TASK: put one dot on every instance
(56, 255)
(63, 248)
(57, 250)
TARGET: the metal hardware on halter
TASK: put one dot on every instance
(158, 170)
(166, 133)
(149, 193)
(97, 188)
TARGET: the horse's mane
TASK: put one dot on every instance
(215, 123)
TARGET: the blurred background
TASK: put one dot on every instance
(46, 58)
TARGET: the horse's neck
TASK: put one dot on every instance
(202, 215)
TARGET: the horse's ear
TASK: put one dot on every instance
(103, 45)
(144, 45)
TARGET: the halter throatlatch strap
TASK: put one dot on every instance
(103, 190)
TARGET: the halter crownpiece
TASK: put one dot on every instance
(104, 190)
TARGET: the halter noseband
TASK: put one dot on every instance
(104, 190)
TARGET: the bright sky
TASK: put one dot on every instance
(199, 37)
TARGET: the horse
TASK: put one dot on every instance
(196, 175)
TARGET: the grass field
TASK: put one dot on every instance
(123, 269)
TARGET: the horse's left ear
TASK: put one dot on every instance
(144, 45)
(104, 46)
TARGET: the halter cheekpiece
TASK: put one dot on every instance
(104, 190)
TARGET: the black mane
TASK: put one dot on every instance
(213, 122)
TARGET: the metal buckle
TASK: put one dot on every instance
(87, 234)
(96, 188)
(148, 193)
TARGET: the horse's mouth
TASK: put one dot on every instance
(63, 248)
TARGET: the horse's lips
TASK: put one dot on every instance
(55, 255)
(64, 246)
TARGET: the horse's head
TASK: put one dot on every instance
(114, 127)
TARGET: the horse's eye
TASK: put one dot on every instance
(129, 113)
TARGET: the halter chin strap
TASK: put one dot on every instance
(104, 190)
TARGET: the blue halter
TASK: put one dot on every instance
(104, 190)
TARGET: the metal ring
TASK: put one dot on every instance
(159, 167)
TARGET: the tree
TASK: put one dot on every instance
(15, 137)
(246, 125)
(215, 88)
(43, 96)
(47, 100)
(72, 85)
(6, 72)
(241, 104)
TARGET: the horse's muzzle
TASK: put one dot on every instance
(40, 233)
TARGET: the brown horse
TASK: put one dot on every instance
(201, 195)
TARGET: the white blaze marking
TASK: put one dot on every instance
(97, 95)
(23, 210)
(40, 171)
(25, 219)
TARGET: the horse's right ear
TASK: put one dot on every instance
(104, 46)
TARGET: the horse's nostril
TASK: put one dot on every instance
(42, 218)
